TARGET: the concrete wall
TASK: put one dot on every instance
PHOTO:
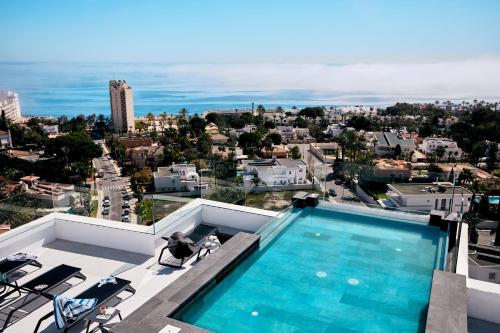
(31, 235)
(290, 187)
(483, 298)
(365, 197)
(105, 233)
(483, 273)
(233, 216)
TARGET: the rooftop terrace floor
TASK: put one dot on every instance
(148, 278)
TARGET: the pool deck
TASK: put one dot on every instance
(448, 304)
(156, 313)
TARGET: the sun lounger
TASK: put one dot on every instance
(198, 236)
(9, 266)
(42, 285)
(103, 294)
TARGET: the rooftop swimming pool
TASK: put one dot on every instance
(319, 270)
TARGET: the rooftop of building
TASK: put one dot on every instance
(273, 162)
(392, 140)
(392, 164)
(426, 188)
(106, 248)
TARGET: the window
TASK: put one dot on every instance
(491, 276)
(436, 204)
(443, 204)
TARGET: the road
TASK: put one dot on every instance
(110, 185)
(320, 171)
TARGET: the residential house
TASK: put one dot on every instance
(429, 196)
(277, 151)
(386, 142)
(451, 149)
(280, 171)
(5, 139)
(151, 156)
(390, 170)
(218, 139)
(211, 129)
(176, 178)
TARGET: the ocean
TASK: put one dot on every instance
(47, 89)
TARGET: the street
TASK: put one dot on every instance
(111, 185)
(320, 170)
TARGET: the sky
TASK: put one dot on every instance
(407, 48)
(256, 31)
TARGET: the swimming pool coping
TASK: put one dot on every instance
(156, 313)
(447, 311)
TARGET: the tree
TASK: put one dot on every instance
(248, 141)
(74, 147)
(140, 126)
(300, 122)
(197, 125)
(183, 113)
(440, 151)
(295, 153)
(312, 112)
(484, 206)
(267, 144)
(204, 144)
(471, 219)
(144, 211)
(144, 177)
(260, 109)
(275, 138)
(269, 124)
(151, 118)
(465, 176)
(4, 122)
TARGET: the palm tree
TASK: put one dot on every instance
(183, 113)
(471, 219)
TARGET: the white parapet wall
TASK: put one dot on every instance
(483, 298)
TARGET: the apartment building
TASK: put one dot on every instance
(122, 106)
(9, 104)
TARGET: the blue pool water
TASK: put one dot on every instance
(328, 272)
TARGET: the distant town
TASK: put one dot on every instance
(111, 166)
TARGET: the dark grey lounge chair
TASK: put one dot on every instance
(8, 267)
(103, 294)
(198, 236)
(42, 285)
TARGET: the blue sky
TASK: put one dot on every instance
(256, 31)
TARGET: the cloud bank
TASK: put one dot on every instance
(464, 79)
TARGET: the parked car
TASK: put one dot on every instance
(106, 197)
(125, 205)
(127, 197)
(125, 212)
(105, 211)
(126, 218)
(332, 192)
(350, 198)
(106, 203)
(338, 181)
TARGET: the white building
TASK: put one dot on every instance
(122, 106)
(281, 171)
(176, 178)
(50, 129)
(5, 139)
(9, 104)
(451, 148)
(427, 197)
